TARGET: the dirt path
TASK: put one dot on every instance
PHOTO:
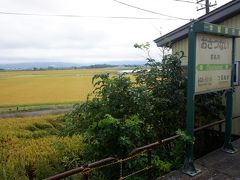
(35, 113)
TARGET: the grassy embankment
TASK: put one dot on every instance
(31, 90)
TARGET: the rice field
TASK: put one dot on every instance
(30, 148)
(47, 86)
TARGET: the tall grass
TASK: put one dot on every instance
(30, 148)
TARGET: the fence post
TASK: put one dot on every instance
(220, 127)
(121, 170)
(149, 173)
(85, 176)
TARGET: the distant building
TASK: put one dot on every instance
(227, 15)
(125, 71)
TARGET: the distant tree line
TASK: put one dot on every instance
(95, 66)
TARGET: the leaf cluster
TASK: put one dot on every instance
(129, 111)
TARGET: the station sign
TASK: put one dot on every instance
(211, 52)
(213, 63)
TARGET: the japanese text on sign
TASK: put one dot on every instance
(211, 43)
(213, 63)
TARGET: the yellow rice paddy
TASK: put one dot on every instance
(46, 87)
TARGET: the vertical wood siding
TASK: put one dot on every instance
(234, 22)
(181, 46)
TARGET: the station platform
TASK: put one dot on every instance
(217, 165)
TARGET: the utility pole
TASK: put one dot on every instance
(206, 6)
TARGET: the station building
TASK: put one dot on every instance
(227, 15)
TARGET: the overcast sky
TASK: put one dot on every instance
(85, 40)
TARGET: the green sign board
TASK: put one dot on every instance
(216, 29)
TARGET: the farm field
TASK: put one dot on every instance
(47, 87)
(31, 148)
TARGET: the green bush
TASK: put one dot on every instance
(131, 111)
(116, 138)
(113, 137)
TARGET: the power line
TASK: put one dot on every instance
(186, 1)
(80, 16)
(153, 12)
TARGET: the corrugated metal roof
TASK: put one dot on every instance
(216, 16)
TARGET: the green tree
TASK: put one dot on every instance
(164, 83)
(131, 111)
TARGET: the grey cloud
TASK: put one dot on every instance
(44, 38)
(32, 38)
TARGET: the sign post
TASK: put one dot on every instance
(210, 68)
(228, 147)
(188, 167)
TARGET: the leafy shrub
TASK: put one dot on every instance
(113, 137)
(116, 138)
(113, 95)
(165, 83)
(156, 96)
(177, 152)
(126, 112)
